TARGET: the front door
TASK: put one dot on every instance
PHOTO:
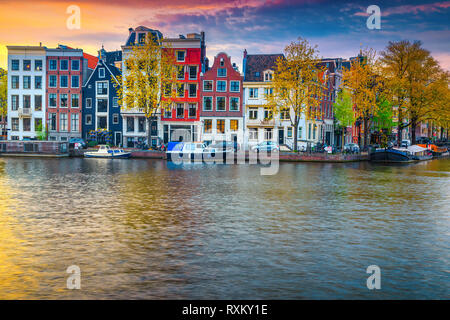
(118, 138)
(281, 136)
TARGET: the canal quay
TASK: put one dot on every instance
(150, 229)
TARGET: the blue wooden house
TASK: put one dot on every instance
(101, 111)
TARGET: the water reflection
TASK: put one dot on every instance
(151, 229)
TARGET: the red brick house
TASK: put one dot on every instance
(221, 112)
(64, 93)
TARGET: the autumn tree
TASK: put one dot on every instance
(343, 111)
(3, 92)
(298, 84)
(415, 82)
(149, 71)
(364, 83)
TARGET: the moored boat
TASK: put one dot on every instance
(106, 152)
(390, 155)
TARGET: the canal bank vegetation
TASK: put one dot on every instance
(3, 93)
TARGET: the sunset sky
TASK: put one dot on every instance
(260, 26)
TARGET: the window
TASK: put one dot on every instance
(253, 113)
(314, 132)
(102, 88)
(208, 125)
(27, 82)
(63, 99)
(268, 76)
(299, 132)
(26, 124)
(309, 131)
(52, 100)
(102, 105)
(221, 72)
(38, 82)
(37, 124)
(26, 65)
(268, 134)
(52, 64)
(253, 134)
(89, 103)
(180, 110)
(221, 86)
(52, 120)
(284, 114)
(141, 124)
(101, 72)
(75, 100)
(207, 85)
(15, 124)
(181, 55)
(63, 121)
(38, 65)
(220, 104)
(253, 92)
(235, 86)
(257, 74)
(234, 104)
(168, 90)
(115, 118)
(268, 91)
(168, 113)
(102, 123)
(289, 132)
(14, 102)
(180, 72)
(63, 81)
(268, 114)
(180, 90)
(234, 125)
(141, 38)
(15, 65)
(75, 82)
(207, 104)
(38, 103)
(64, 65)
(192, 90)
(115, 102)
(220, 126)
(14, 82)
(192, 72)
(88, 119)
(75, 65)
(52, 81)
(192, 110)
(130, 124)
(75, 122)
(27, 102)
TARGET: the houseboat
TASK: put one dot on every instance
(106, 152)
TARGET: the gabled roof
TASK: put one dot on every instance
(110, 68)
(256, 64)
(91, 60)
(131, 41)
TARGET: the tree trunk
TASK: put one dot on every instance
(366, 122)
(149, 135)
(413, 131)
(296, 134)
(399, 127)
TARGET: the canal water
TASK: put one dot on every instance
(148, 229)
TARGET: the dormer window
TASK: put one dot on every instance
(141, 38)
(222, 63)
(221, 72)
(268, 76)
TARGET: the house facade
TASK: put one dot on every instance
(221, 111)
(26, 91)
(134, 122)
(101, 110)
(182, 122)
(64, 82)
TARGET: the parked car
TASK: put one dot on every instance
(405, 143)
(80, 141)
(351, 148)
(267, 146)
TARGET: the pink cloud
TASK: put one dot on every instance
(415, 9)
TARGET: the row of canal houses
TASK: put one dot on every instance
(70, 94)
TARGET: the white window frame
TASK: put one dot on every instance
(238, 104)
(189, 90)
(71, 80)
(96, 88)
(212, 86)
(249, 93)
(250, 111)
(60, 97)
(226, 72)
(225, 108)
(77, 122)
(251, 136)
(75, 94)
(212, 103)
(86, 120)
(114, 120)
(50, 64)
(87, 105)
(60, 68)
(189, 72)
(101, 73)
(176, 55)
(217, 85)
(239, 85)
(71, 65)
(96, 105)
(56, 100)
(60, 82)
(49, 82)
(60, 121)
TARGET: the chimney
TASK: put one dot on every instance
(40, 44)
(245, 53)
